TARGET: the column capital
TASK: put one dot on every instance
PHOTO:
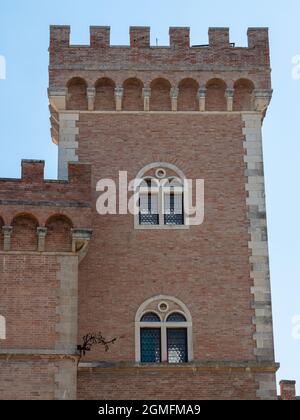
(7, 231)
(174, 92)
(147, 92)
(42, 231)
(91, 95)
(229, 93)
(202, 92)
(91, 92)
(119, 92)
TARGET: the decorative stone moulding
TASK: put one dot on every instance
(80, 241)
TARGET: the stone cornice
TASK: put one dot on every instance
(217, 367)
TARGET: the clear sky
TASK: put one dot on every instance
(24, 115)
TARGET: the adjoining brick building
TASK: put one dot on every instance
(190, 305)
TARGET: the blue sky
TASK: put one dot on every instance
(24, 116)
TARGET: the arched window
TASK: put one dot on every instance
(161, 197)
(164, 332)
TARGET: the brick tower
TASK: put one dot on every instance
(190, 305)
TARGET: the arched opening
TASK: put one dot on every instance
(77, 95)
(161, 196)
(59, 238)
(1, 234)
(163, 331)
(243, 95)
(105, 95)
(24, 234)
(160, 95)
(133, 95)
(188, 95)
(215, 95)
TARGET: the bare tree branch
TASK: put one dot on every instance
(93, 339)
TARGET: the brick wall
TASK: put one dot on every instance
(188, 96)
(172, 385)
(125, 267)
(105, 95)
(39, 281)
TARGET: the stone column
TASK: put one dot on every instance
(147, 97)
(229, 96)
(7, 232)
(202, 99)
(91, 95)
(119, 91)
(174, 98)
(42, 232)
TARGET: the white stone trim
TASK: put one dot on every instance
(163, 326)
(259, 259)
(68, 142)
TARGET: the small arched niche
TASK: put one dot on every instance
(77, 94)
(160, 95)
(243, 95)
(105, 95)
(133, 95)
(24, 235)
(188, 95)
(215, 95)
(59, 238)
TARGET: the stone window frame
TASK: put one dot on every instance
(147, 307)
(143, 175)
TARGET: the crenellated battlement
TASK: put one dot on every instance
(34, 195)
(140, 54)
(32, 184)
(139, 37)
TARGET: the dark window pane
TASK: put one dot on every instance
(150, 317)
(176, 318)
(149, 219)
(177, 346)
(174, 214)
(150, 345)
(149, 209)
